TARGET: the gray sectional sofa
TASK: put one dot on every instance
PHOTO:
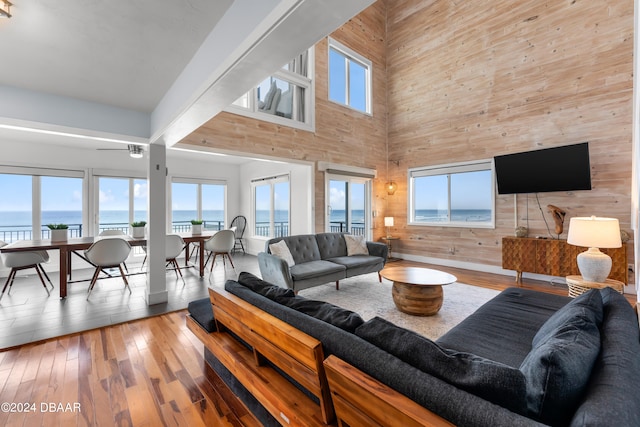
(525, 358)
(319, 259)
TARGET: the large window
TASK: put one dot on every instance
(349, 77)
(459, 195)
(121, 201)
(284, 97)
(271, 206)
(197, 199)
(33, 198)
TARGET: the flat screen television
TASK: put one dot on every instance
(565, 168)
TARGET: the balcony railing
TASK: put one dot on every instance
(281, 229)
(357, 228)
(12, 233)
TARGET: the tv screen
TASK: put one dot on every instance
(564, 168)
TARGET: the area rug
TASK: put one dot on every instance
(368, 297)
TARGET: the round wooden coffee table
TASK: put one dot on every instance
(416, 290)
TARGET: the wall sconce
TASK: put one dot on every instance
(391, 187)
(5, 9)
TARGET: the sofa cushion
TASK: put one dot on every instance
(509, 320)
(281, 250)
(493, 381)
(357, 261)
(356, 245)
(263, 288)
(201, 311)
(331, 245)
(303, 248)
(617, 369)
(313, 269)
(559, 365)
(344, 319)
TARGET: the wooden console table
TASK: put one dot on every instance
(554, 258)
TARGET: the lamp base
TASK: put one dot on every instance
(594, 265)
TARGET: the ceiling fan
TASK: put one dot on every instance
(135, 151)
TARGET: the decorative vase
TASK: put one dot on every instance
(59, 235)
(137, 232)
(196, 228)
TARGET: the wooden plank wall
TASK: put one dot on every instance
(342, 135)
(470, 80)
(457, 81)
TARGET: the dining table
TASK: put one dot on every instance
(67, 247)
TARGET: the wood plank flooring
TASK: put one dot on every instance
(147, 372)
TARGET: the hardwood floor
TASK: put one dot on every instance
(147, 372)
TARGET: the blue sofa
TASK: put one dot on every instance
(490, 370)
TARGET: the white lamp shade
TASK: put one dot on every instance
(594, 232)
(388, 221)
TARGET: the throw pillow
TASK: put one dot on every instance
(263, 288)
(490, 380)
(356, 245)
(339, 317)
(558, 368)
(281, 250)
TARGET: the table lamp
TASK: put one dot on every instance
(388, 222)
(594, 233)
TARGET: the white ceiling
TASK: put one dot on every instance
(119, 53)
(83, 72)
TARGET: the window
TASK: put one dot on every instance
(121, 201)
(271, 206)
(458, 195)
(284, 97)
(197, 199)
(349, 78)
(33, 198)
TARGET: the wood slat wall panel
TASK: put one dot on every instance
(471, 80)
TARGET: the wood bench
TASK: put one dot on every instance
(270, 342)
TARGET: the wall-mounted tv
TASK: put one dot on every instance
(565, 168)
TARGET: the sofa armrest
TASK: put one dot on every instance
(274, 270)
(378, 249)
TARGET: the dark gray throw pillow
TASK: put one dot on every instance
(559, 365)
(492, 381)
(263, 288)
(344, 319)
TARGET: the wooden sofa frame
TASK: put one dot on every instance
(361, 400)
(297, 354)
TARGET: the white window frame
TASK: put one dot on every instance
(36, 207)
(351, 56)
(450, 169)
(307, 83)
(272, 180)
(199, 182)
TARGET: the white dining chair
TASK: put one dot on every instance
(222, 244)
(108, 253)
(116, 232)
(17, 261)
(174, 245)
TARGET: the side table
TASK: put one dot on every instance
(577, 285)
(389, 239)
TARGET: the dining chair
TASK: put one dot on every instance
(21, 261)
(240, 222)
(174, 245)
(222, 244)
(108, 253)
(116, 232)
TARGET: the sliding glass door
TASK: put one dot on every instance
(348, 205)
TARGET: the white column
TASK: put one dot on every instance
(157, 227)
